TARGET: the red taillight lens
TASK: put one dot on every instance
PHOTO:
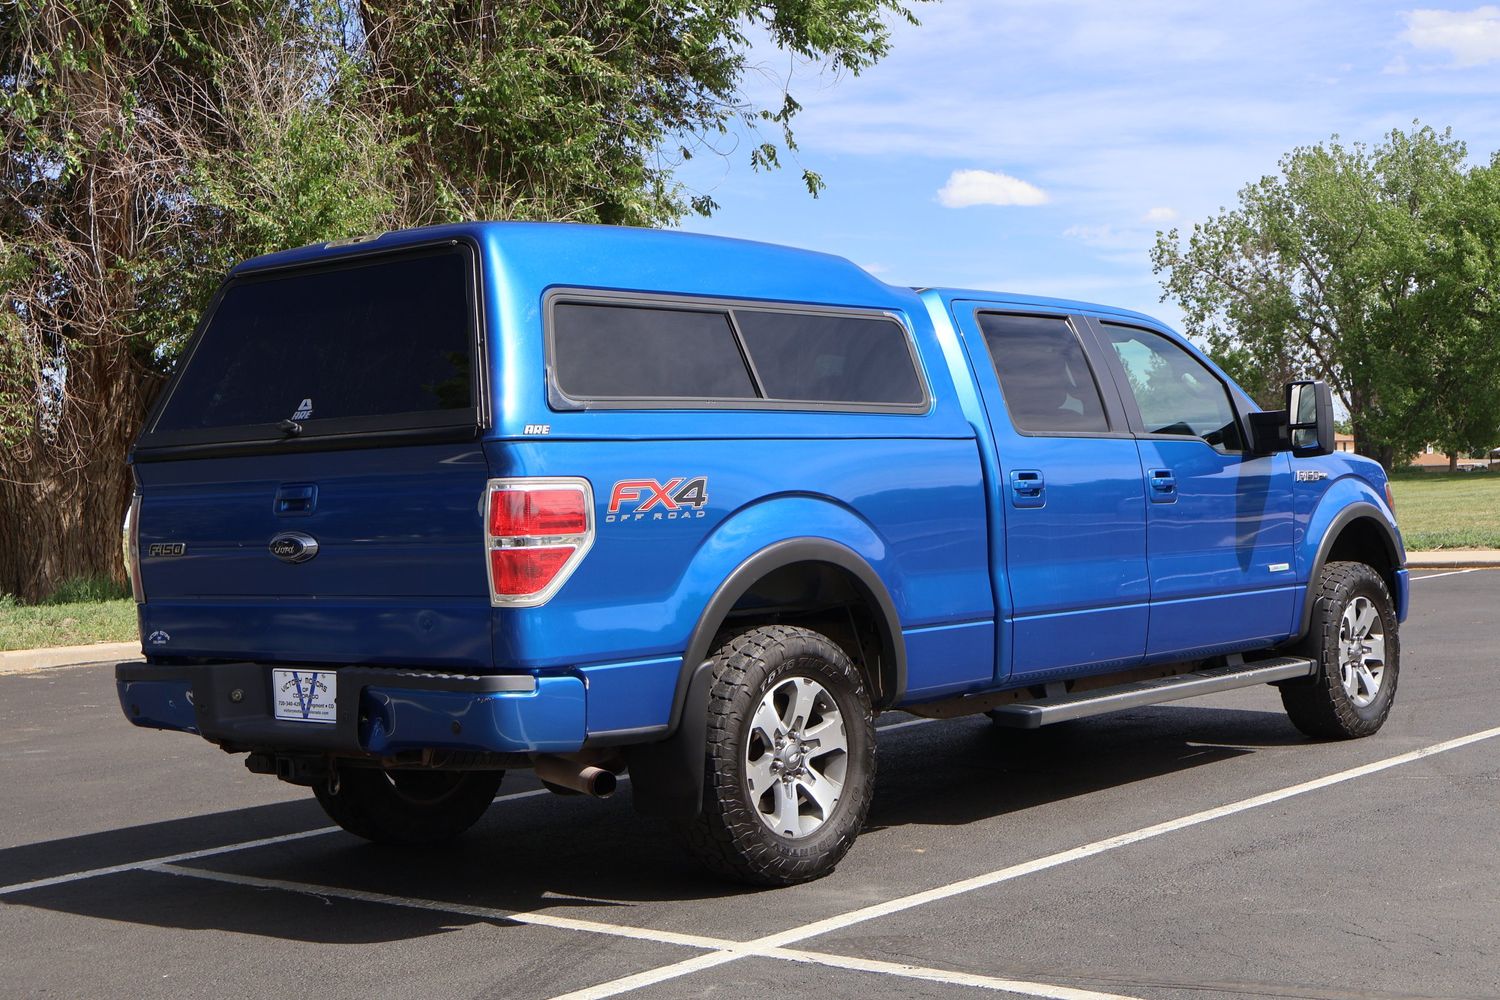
(519, 572)
(516, 513)
(536, 533)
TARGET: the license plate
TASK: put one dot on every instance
(305, 695)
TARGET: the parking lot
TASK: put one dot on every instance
(1198, 850)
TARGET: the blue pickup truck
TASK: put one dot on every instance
(423, 507)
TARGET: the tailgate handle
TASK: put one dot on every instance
(293, 500)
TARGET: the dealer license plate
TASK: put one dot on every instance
(305, 695)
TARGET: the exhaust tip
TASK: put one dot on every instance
(602, 784)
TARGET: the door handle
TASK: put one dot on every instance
(1163, 486)
(1028, 488)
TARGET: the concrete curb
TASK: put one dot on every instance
(1454, 559)
(20, 661)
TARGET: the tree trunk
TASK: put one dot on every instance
(1452, 461)
(63, 517)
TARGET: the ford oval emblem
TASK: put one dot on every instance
(294, 547)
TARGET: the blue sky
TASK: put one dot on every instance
(1037, 146)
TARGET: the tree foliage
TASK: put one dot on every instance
(1367, 267)
(149, 144)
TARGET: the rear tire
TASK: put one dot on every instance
(1353, 636)
(408, 807)
(791, 758)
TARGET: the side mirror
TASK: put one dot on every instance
(1309, 408)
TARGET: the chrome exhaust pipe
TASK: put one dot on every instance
(570, 774)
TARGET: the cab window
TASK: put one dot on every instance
(1174, 391)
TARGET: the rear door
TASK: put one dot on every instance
(1219, 520)
(1074, 507)
(310, 485)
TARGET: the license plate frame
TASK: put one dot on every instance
(302, 695)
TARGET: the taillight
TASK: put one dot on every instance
(537, 531)
(131, 543)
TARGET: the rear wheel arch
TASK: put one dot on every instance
(668, 774)
(823, 585)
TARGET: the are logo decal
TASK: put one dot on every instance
(682, 498)
(303, 410)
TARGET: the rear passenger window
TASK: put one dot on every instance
(1044, 376)
(829, 358)
(633, 352)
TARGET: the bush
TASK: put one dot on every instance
(88, 589)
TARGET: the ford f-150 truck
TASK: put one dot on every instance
(423, 507)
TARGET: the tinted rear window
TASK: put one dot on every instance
(389, 338)
(827, 358)
(641, 353)
(605, 351)
(1044, 376)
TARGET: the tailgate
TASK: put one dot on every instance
(310, 485)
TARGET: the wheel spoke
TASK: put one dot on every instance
(822, 789)
(804, 701)
(1367, 680)
(767, 722)
(829, 733)
(1365, 615)
(760, 775)
(783, 815)
(1375, 654)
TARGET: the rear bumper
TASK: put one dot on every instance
(380, 711)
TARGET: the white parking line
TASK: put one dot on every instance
(816, 928)
(712, 945)
(464, 909)
(1453, 572)
(247, 845)
(207, 852)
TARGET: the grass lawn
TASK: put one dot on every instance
(1442, 511)
(31, 626)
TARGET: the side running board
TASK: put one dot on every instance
(1031, 714)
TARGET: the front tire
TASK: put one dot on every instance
(1353, 636)
(791, 758)
(408, 807)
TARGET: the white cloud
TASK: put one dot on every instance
(1470, 37)
(1159, 214)
(1091, 234)
(987, 187)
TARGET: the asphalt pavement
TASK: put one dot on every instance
(1198, 850)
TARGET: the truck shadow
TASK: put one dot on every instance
(556, 855)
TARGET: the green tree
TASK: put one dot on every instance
(1354, 265)
(146, 145)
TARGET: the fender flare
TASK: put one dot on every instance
(668, 774)
(1352, 512)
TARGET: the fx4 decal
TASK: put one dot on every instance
(647, 499)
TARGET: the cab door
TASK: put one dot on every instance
(1218, 518)
(1070, 491)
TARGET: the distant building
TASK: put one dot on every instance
(1343, 442)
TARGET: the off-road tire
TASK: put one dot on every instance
(408, 807)
(729, 835)
(1320, 707)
